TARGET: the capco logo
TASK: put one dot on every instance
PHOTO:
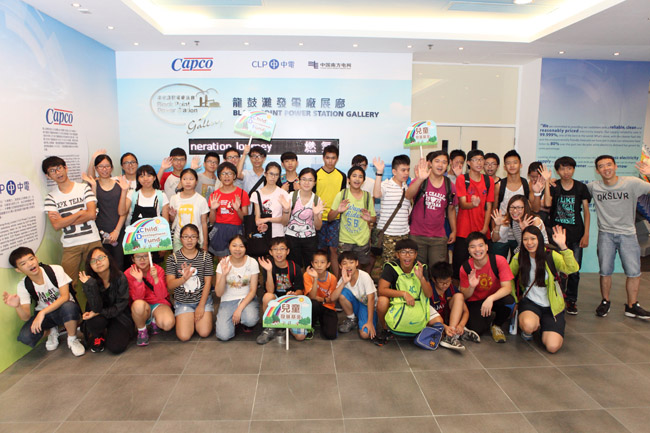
(55, 116)
(193, 64)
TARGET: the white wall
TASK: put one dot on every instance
(528, 111)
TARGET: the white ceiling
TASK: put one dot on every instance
(489, 31)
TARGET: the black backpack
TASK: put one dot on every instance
(449, 195)
(49, 272)
(503, 182)
(486, 179)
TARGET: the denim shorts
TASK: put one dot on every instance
(628, 250)
(180, 308)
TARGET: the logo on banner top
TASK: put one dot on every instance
(193, 64)
(329, 65)
(273, 64)
(56, 116)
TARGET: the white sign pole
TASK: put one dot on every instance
(286, 338)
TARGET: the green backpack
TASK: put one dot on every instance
(400, 317)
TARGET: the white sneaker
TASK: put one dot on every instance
(76, 347)
(52, 340)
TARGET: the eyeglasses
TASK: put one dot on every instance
(232, 157)
(98, 259)
(103, 167)
(477, 159)
(227, 174)
(179, 159)
(257, 156)
(55, 169)
(516, 207)
(140, 258)
(407, 252)
(278, 249)
(491, 164)
(307, 179)
(189, 237)
(130, 163)
(271, 174)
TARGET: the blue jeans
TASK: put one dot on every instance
(67, 312)
(225, 329)
(574, 278)
(628, 250)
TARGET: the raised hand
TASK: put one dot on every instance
(11, 300)
(247, 149)
(226, 266)
(236, 205)
(123, 182)
(476, 200)
(545, 173)
(365, 215)
(186, 271)
(166, 163)
(526, 221)
(97, 153)
(318, 209)
(418, 270)
(88, 179)
(346, 276)
(312, 272)
(497, 217)
(83, 277)
(422, 170)
(457, 168)
(196, 163)
(643, 166)
(538, 185)
(379, 164)
(343, 206)
(265, 264)
(215, 202)
(559, 237)
(473, 279)
(136, 273)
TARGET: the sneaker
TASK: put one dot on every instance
(603, 308)
(381, 337)
(98, 345)
(267, 335)
(497, 334)
(52, 340)
(571, 308)
(246, 329)
(636, 311)
(469, 335)
(525, 336)
(143, 338)
(155, 330)
(348, 325)
(451, 343)
(76, 347)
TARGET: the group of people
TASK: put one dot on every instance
(463, 248)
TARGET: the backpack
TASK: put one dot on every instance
(486, 179)
(157, 202)
(430, 336)
(257, 244)
(560, 279)
(449, 196)
(366, 198)
(401, 317)
(294, 199)
(49, 272)
(493, 265)
(502, 189)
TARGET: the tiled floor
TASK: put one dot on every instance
(598, 382)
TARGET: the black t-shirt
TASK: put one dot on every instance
(287, 279)
(567, 207)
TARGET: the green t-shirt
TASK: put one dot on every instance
(354, 229)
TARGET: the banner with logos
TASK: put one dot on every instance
(175, 99)
(590, 108)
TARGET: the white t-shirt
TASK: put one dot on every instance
(171, 183)
(148, 201)
(391, 193)
(238, 280)
(271, 204)
(67, 204)
(503, 207)
(47, 293)
(537, 294)
(368, 185)
(188, 211)
(364, 287)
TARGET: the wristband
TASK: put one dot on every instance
(537, 194)
(380, 174)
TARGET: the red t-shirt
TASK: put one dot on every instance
(472, 220)
(225, 214)
(487, 279)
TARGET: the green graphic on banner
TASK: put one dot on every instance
(257, 124)
(147, 235)
(289, 311)
(423, 133)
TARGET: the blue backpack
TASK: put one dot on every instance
(429, 338)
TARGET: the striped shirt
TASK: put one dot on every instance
(67, 204)
(391, 193)
(190, 292)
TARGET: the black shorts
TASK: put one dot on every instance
(546, 320)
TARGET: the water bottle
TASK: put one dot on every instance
(513, 323)
(106, 238)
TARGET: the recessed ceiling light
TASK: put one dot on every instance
(84, 10)
(409, 46)
(561, 52)
(617, 53)
(301, 44)
(246, 43)
(76, 5)
(136, 43)
(110, 27)
(522, 2)
(461, 48)
(355, 45)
